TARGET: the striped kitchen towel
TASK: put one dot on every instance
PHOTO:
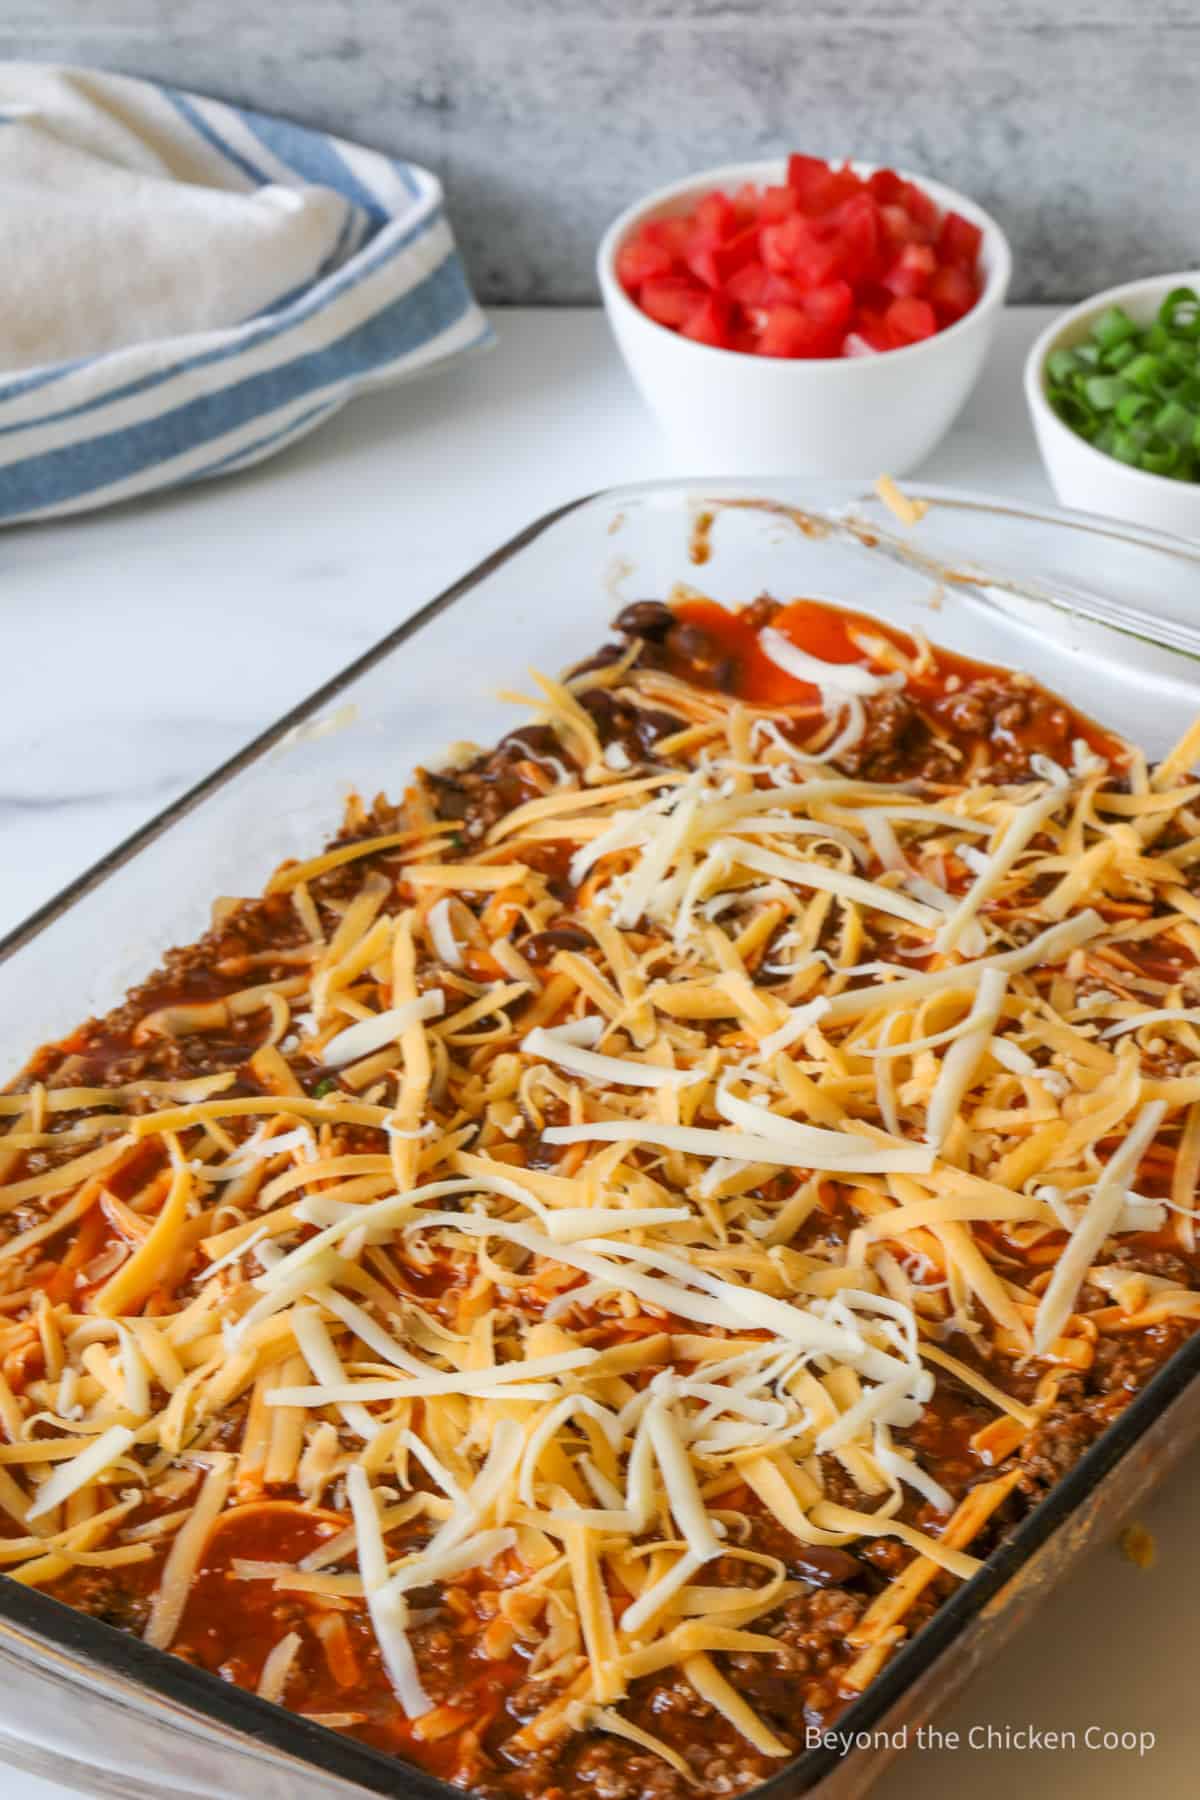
(189, 286)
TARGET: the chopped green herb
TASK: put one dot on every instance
(325, 1086)
(1133, 391)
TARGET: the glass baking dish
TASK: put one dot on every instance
(1101, 613)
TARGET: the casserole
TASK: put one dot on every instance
(996, 615)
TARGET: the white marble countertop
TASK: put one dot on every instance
(111, 625)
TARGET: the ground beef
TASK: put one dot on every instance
(103, 1594)
(1087, 1404)
(897, 743)
(439, 1653)
(1059, 1441)
(612, 1770)
(1165, 1264)
(669, 1706)
(479, 795)
(817, 1622)
(451, 796)
(841, 1488)
(109, 1050)
(1011, 714)
(1123, 1365)
(813, 1626)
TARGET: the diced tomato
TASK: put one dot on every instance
(827, 265)
(777, 203)
(638, 261)
(870, 318)
(672, 235)
(670, 299)
(951, 293)
(800, 248)
(714, 264)
(860, 238)
(910, 320)
(792, 331)
(872, 328)
(813, 182)
(885, 184)
(815, 263)
(896, 226)
(921, 210)
(873, 297)
(777, 242)
(912, 270)
(709, 322)
(744, 337)
(958, 241)
(831, 306)
(715, 217)
(783, 290)
(747, 287)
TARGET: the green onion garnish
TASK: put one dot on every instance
(1133, 391)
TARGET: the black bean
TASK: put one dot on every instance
(826, 1567)
(602, 660)
(531, 741)
(599, 703)
(544, 944)
(644, 619)
(451, 797)
(650, 725)
(690, 644)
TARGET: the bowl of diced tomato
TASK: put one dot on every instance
(800, 316)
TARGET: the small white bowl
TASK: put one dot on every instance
(1081, 475)
(729, 413)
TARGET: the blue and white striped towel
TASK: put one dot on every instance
(188, 287)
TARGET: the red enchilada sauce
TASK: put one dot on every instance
(967, 700)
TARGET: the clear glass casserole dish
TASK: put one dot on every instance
(1100, 614)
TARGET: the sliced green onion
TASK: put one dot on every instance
(1180, 313)
(1116, 358)
(1130, 406)
(1113, 327)
(1126, 449)
(1143, 371)
(1133, 391)
(1061, 365)
(1174, 422)
(1103, 391)
(1160, 461)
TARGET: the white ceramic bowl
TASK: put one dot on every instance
(728, 413)
(1082, 476)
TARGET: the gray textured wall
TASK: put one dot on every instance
(1076, 122)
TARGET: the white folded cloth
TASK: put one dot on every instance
(188, 286)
